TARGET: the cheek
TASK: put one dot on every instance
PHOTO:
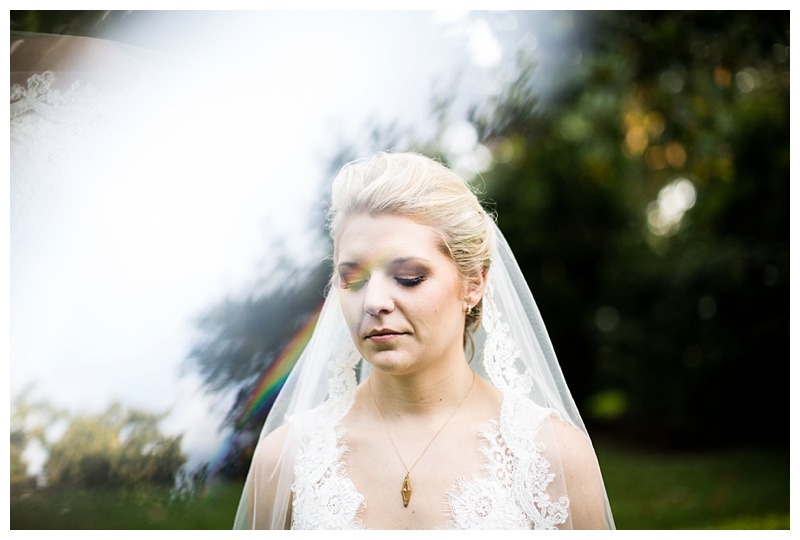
(436, 308)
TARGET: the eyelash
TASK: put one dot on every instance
(410, 282)
(355, 285)
(405, 282)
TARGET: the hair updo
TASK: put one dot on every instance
(416, 186)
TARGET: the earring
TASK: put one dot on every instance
(469, 310)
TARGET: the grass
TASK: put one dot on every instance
(736, 489)
(142, 507)
(733, 489)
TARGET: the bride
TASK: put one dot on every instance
(429, 396)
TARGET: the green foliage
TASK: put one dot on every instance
(120, 446)
(669, 317)
(117, 447)
(64, 22)
(29, 420)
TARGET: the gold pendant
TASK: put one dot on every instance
(406, 490)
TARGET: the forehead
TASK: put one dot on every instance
(387, 236)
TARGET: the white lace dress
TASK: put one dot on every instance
(510, 493)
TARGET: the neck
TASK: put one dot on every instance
(401, 395)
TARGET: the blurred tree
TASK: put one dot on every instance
(30, 420)
(648, 206)
(117, 447)
(239, 338)
(65, 22)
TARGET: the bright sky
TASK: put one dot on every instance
(109, 269)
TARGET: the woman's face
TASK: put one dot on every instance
(403, 298)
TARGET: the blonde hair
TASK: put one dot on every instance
(416, 186)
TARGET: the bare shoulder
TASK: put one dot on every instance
(269, 449)
(264, 483)
(582, 476)
(573, 445)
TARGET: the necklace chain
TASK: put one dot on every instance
(405, 491)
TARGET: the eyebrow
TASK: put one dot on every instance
(347, 265)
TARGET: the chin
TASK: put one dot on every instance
(390, 362)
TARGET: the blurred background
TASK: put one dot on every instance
(169, 176)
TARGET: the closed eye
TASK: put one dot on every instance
(410, 282)
(353, 285)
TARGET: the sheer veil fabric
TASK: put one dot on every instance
(513, 352)
(80, 109)
(64, 115)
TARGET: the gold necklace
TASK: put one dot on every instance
(405, 491)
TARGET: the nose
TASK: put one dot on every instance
(378, 297)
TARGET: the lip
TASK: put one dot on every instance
(383, 335)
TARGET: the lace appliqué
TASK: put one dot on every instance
(520, 421)
(58, 123)
(324, 497)
(55, 135)
(501, 355)
(512, 491)
(79, 104)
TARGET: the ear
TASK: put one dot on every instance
(474, 288)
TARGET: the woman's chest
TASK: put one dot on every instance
(390, 473)
(356, 481)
